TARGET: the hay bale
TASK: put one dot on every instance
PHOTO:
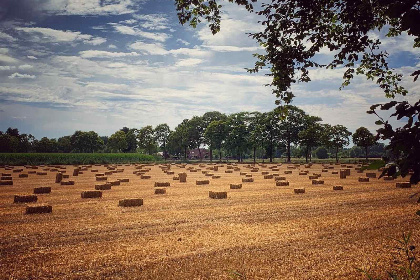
(17, 170)
(67, 183)
(124, 180)
(347, 171)
(247, 180)
(160, 191)
(58, 177)
(102, 187)
(130, 202)
(23, 175)
(66, 176)
(94, 170)
(175, 178)
(299, 190)
(202, 182)
(38, 209)
(76, 172)
(115, 183)
(6, 174)
(32, 172)
(209, 174)
(217, 195)
(91, 194)
(40, 190)
(145, 177)
(215, 168)
(282, 183)
(363, 179)
(248, 175)
(235, 186)
(288, 171)
(313, 177)
(162, 184)
(388, 178)
(215, 176)
(324, 170)
(268, 176)
(371, 175)
(337, 188)
(228, 171)
(334, 172)
(108, 172)
(303, 173)
(403, 185)
(265, 173)
(343, 174)
(6, 178)
(6, 183)
(254, 170)
(25, 198)
(182, 177)
(317, 182)
(280, 178)
(275, 169)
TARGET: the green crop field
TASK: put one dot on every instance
(72, 158)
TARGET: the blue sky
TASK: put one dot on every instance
(99, 65)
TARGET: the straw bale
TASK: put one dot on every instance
(202, 182)
(371, 175)
(41, 173)
(101, 187)
(247, 180)
(363, 179)
(337, 188)
(91, 194)
(280, 178)
(268, 176)
(287, 171)
(145, 177)
(115, 183)
(235, 186)
(388, 178)
(282, 183)
(38, 209)
(403, 185)
(162, 184)
(40, 190)
(160, 191)
(124, 180)
(23, 175)
(317, 182)
(217, 195)
(130, 202)
(300, 190)
(25, 198)
(6, 178)
(67, 183)
(215, 176)
(182, 177)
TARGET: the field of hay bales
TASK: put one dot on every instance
(256, 230)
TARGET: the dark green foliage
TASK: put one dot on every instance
(321, 153)
(364, 138)
(70, 158)
(375, 165)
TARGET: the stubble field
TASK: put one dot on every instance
(261, 231)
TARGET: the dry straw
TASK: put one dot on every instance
(40, 190)
(91, 194)
(217, 195)
(130, 202)
(38, 209)
(25, 198)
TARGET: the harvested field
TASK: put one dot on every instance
(260, 231)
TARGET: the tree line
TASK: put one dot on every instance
(283, 131)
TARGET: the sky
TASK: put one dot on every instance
(68, 65)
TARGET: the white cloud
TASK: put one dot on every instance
(112, 46)
(233, 48)
(105, 54)
(8, 59)
(40, 34)
(6, 68)
(6, 37)
(25, 67)
(183, 42)
(128, 30)
(31, 57)
(153, 49)
(153, 21)
(193, 52)
(188, 62)
(21, 76)
(4, 50)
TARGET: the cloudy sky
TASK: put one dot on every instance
(99, 65)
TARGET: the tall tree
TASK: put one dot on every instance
(162, 132)
(311, 135)
(196, 129)
(336, 137)
(271, 127)
(179, 138)
(257, 132)
(215, 134)
(207, 119)
(117, 142)
(237, 137)
(146, 139)
(86, 141)
(64, 144)
(362, 137)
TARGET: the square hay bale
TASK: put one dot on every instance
(303, 173)
(235, 186)
(6, 183)
(170, 172)
(101, 174)
(388, 178)
(299, 190)
(248, 175)
(254, 170)
(58, 177)
(6, 174)
(282, 183)
(7, 178)
(175, 178)
(202, 182)
(204, 171)
(40, 190)
(108, 173)
(66, 176)
(403, 185)
(41, 173)
(324, 170)
(23, 175)
(280, 178)
(38, 209)
(217, 195)
(347, 171)
(67, 183)
(236, 169)
(343, 174)
(209, 174)
(193, 170)
(265, 172)
(215, 176)
(182, 177)
(275, 169)
(313, 177)
(247, 180)
(130, 202)
(216, 168)
(160, 191)
(268, 176)
(363, 179)
(371, 174)
(288, 171)
(162, 184)
(17, 170)
(91, 194)
(359, 171)
(334, 172)
(337, 188)
(124, 180)
(25, 198)
(145, 177)
(32, 172)
(102, 187)
(76, 172)
(317, 182)
(115, 183)
(228, 171)
(94, 170)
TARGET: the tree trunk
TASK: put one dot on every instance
(199, 153)
(366, 153)
(211, 154)
(288, 148)
(306, 154)
(220, 155)
(255, 149)
(239, 157)
(185, 153)
(336, 154)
